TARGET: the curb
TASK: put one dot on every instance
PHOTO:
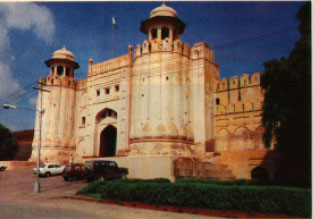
(200, 211)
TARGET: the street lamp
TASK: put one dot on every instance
(41, 111)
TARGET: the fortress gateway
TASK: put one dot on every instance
(160, 104)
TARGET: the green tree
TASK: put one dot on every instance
(8, 146)
(287, 103)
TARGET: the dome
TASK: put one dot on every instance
(163, 10)
(63, 54)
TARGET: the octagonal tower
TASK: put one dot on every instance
(159, 110)
(57, 141)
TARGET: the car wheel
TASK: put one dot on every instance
(47, 174)
(65, 178)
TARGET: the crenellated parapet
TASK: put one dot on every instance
(239, 94)
(110, 65)
(200, 50)
(81, 84)
(52, 80)
(236, 83)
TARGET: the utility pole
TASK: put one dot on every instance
(41, 111)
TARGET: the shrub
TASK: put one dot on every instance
(156, 180)
(195, 194)
(93, 188)
(235, 182)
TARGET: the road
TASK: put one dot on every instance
(17, 200)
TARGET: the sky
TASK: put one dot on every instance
(243, 36)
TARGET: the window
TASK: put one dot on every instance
(165, 32)
(245, 82)
(154, 33)
(98, 92)
(104, 115)
(109, 113)
(167, 78)
(60, 70)
(234, 82)
(217, 101)
(83, 120)
(67, 71)
(107, 90)
(112, 164)
(117, 88)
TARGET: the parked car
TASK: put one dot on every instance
(74, 171)
(49, 169)
(100, 169)
(3, 168)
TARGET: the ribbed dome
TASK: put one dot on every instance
(63, 54)
(163, 10)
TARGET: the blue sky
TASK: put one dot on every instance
(243, 35)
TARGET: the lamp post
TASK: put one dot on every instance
(41, 111)
(37, 184)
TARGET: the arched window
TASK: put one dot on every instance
(109, 113)
(154, 33)
(165, 32)
(67, 71)
(60, 70)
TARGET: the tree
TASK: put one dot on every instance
(287, 103)
(8, 146)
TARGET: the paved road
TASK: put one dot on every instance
(17, 200)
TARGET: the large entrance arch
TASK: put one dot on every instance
(108, 142)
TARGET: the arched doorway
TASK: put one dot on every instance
(108, 142)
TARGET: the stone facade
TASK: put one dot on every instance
(161, 101)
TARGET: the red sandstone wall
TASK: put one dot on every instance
(241, 163)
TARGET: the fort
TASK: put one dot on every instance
(161, 110)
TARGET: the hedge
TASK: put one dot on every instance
(268, 200)
(234, 182)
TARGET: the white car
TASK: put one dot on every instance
(49, 169)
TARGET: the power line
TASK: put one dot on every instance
(16, 92)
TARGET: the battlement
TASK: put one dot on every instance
(58, 81)
(239, 94)
(81, 84)
(236, 83)
(198, 51)
(104, 67)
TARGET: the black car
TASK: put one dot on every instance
(102, 169)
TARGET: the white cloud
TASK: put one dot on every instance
(23, 16)
(7, 82)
